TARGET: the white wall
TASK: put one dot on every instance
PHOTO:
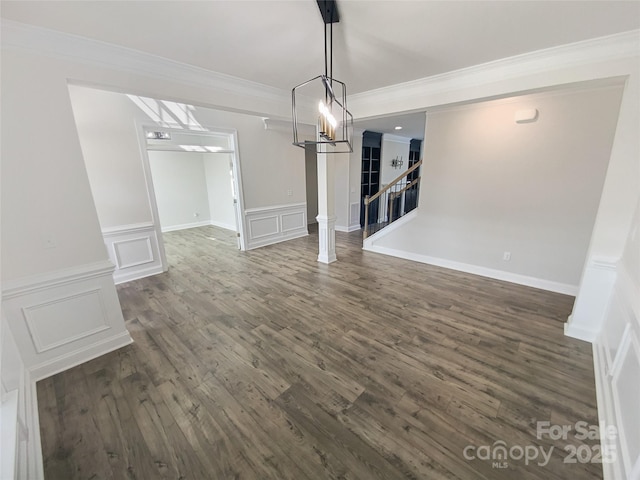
(220, 195)
(490, 185)
(180, 184)
(341, 179)
(271, 166)
(393, 146)
(347, 168)
(311, 176)
(355, 174)
(106, 129)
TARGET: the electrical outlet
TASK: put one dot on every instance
(506, 256)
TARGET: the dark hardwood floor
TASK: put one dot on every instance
(269, 365)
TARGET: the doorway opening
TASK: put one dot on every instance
(193, 177)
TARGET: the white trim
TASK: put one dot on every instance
(151, 197)
(581, 332)
(131, 228)
(354, 215)
(350, 229)
(65, 46)
(628, 346)
(606, 414)
(273, 208)
(40, 344)
(9, 434)
(241, 226)
(186, 226)
(274, 232)
(44, 281)
(478, 270)
(124, 277)
(149, 262)
(603, 49)
(226, 226)
(34, 463)
(390, 137)
(142, 261)
(621, 314)
(77, 357)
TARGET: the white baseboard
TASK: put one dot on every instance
(134, 250)
(269, 225)
(477, 270)
(352, 228)
(226, 226)
(573, 330)
(82, 355)
(185, 226)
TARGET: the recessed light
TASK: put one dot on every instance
(398, 127)
(159, 135)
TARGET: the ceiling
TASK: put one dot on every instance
(377, 42)
(412, 125)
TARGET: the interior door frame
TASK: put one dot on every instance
(141, 129)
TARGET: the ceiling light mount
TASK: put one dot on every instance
(335, 122)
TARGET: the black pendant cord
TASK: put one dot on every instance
(331, 55)
(326, 71)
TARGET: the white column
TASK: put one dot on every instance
(326, 208)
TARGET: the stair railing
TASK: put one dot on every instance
(391, 202)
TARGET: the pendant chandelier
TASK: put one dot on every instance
(334, 121)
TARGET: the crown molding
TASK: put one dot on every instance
(622, 46)
(65, 46)
(390, 137)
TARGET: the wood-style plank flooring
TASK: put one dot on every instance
(268, 365)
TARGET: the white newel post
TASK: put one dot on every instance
(326, 208)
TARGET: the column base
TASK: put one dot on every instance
(326, 239)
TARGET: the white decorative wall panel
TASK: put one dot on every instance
(626, 395)
(66, 319)
(617, 370)
(263, 227)
(292, 221)
(54, 321)
(134, 250)
(275, 224)
(354, 216)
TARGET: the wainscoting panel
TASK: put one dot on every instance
(51, 322)
(292, 221)
(79, 315)
(275, 224)
(354, 216)
(616, 355)
(134, 251)
(63, 319)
